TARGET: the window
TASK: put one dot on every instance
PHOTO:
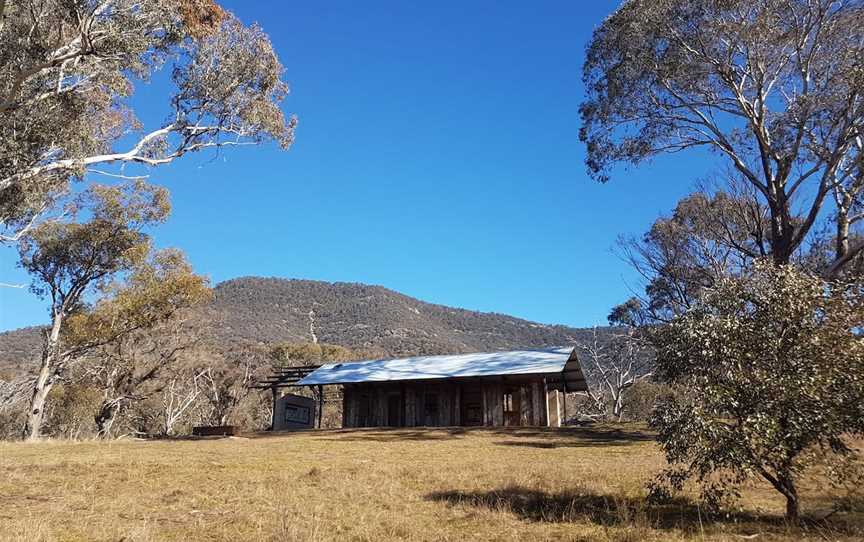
(297, 415)
(508, 402)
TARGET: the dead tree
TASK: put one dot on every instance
(613, 365)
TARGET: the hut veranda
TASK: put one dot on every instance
(518, 388)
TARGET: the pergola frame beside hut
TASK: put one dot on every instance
(518, 388)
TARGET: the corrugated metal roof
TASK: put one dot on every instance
(520, 362)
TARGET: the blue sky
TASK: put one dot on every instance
(437, 155)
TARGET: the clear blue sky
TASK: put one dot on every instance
(437, 155)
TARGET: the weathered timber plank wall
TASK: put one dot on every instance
(441, 403)
(410, 406)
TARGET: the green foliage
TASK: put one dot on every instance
(70, 412)
(137, 330)
(67, 73)
(67, 258)
(642, 398)
(770, 369)
(708, 236)
(629, 313)
(661, 74)
(152, 293)
(107, 254)
(774, 87)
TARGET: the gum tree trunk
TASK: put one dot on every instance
(105, 417)
(618, 406)
(44, 382)
(842, 247)
(784, 482)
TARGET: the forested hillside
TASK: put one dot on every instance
(254, 310)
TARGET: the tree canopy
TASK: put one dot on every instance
(769, 372)
(69, 68)
(106, 254)
(708, 236)
(775, 87)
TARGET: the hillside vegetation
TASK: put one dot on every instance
(359, 315)
(376, 485)
(253, 310)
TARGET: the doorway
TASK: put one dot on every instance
(512, 406)
(472, 406)
(364, 410)
(394, 410)
(430, 409)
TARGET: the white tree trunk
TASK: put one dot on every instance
(44, 381)
(105, 417)
(618, 406)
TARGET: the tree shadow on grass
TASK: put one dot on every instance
(581, 438)
(568, 506)
(619, 511)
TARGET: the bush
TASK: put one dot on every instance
(771, 372)
(641, 398)
(70, 411)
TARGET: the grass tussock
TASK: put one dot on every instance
(408, 484)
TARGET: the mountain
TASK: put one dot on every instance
(255, 310)
(19, 349)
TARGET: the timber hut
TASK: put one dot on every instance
(519, 388)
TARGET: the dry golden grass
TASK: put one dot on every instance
(578, 484)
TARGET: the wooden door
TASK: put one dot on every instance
(512, 400)
(394, 410)
(364, 410)
(471, 409)
(430, 409)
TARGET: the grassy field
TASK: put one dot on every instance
(576, 484)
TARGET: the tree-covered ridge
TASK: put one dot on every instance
(255, 310)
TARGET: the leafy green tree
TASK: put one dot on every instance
(774, 87)
(70, 260)
(140, 329)
(770, 371)
(708, 236)
(68, 69)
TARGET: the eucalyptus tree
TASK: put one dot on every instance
(774, 87)
(70, 260)
(68, 69)
(710, 235)
(141, 327)
(225, 383)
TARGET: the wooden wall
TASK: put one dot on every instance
(490, 402)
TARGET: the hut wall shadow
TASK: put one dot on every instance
(517, 436)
